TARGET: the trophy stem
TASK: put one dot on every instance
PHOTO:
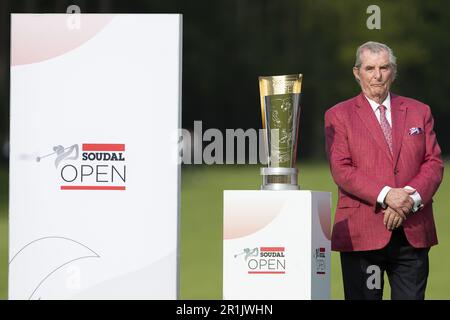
(276, 178)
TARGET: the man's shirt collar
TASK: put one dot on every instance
(386, 103)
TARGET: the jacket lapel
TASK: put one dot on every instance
(369, 119)
(398, 116)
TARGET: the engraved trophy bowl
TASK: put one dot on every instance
(280, 110)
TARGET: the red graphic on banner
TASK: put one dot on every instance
(103, 147)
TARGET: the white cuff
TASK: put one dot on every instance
(383, 195)
(416, 198)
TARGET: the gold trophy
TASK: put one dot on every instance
(280, 110)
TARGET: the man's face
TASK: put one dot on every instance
(375, 74)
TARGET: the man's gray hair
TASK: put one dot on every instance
(376, 47)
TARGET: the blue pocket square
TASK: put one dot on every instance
(415, 130)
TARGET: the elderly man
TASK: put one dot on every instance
(386, 161)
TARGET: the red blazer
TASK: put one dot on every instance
(361, 165)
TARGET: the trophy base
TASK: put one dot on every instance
(279, 179)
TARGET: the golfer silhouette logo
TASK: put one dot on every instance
(248, 253)
(69, 153)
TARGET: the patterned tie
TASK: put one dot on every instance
(387, 130)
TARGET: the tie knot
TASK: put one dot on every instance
(382, 108)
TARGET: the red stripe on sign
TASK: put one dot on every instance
(272, 249)
(103, 147)
(322, 249)
(92, 188)
(266, 272)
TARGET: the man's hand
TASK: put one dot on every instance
(392, 220)
(400, 201)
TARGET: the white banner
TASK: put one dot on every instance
(94, 181)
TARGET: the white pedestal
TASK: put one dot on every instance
(276, 245)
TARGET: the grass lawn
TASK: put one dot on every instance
(201, 228)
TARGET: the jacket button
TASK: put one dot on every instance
(395, 171)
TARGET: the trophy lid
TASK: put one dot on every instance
(291, 83)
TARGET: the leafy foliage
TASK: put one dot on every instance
(229, 43)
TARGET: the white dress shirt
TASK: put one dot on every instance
(381, 197)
